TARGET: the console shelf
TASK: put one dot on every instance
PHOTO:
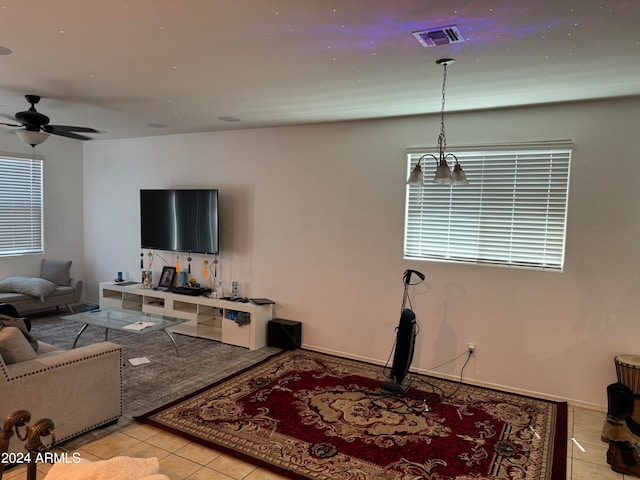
(210, 318)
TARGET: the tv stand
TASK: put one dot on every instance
(211, 318)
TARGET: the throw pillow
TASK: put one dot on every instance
(19, 323)
(56, 271)
(14, 348)
(36, 287)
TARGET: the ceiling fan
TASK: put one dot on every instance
(36, 125)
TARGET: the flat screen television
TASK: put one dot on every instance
(179, 220)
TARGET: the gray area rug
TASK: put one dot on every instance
(166, 378)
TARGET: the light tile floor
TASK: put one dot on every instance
(184, 460)
(586, 453)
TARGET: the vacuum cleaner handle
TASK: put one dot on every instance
(407, 277)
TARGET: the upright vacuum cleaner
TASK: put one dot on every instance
(406, 333)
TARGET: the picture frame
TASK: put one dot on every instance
(166, 279)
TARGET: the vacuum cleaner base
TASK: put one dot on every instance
(393, 386)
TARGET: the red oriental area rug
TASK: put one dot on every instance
(309, 415)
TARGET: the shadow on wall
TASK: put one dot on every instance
(236, 220)
(446, 341)
(594, 310)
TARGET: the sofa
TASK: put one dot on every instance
(54, 288)
(78, 389)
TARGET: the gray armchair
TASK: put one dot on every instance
(79, 389)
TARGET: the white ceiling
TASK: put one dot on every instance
(120, 65)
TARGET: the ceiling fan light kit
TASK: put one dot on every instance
(36, 125)
(32, 138)
(443, 175)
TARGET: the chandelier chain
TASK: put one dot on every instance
(442, 139)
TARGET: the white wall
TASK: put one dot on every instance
(63, 197)
(312, 217)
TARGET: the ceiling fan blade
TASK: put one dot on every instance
(13, 119)
(69, 135)
(37, 122)
(68, 128)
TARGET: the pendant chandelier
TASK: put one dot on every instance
(443, 175)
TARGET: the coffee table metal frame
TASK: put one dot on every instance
(119, 318)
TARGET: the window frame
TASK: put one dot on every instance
(467, 223)
(21, 205)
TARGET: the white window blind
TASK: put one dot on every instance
(513, 212)
(20, 206)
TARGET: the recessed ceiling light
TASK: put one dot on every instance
(5, 51)
(157, 125)
(228, 119)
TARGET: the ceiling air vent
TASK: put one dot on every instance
(439, 36)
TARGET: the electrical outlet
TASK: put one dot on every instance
(471, 348)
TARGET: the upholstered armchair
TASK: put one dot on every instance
(79, 389)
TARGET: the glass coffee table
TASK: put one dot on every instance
(126, 321)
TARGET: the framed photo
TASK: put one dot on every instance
(166, 279)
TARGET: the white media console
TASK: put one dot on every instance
(211, 318)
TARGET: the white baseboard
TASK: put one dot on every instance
(505, 388)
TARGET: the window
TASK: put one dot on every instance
(513, 212)
(20, 206)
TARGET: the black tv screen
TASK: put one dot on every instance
(179, 220)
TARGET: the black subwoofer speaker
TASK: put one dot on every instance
(285, 334)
